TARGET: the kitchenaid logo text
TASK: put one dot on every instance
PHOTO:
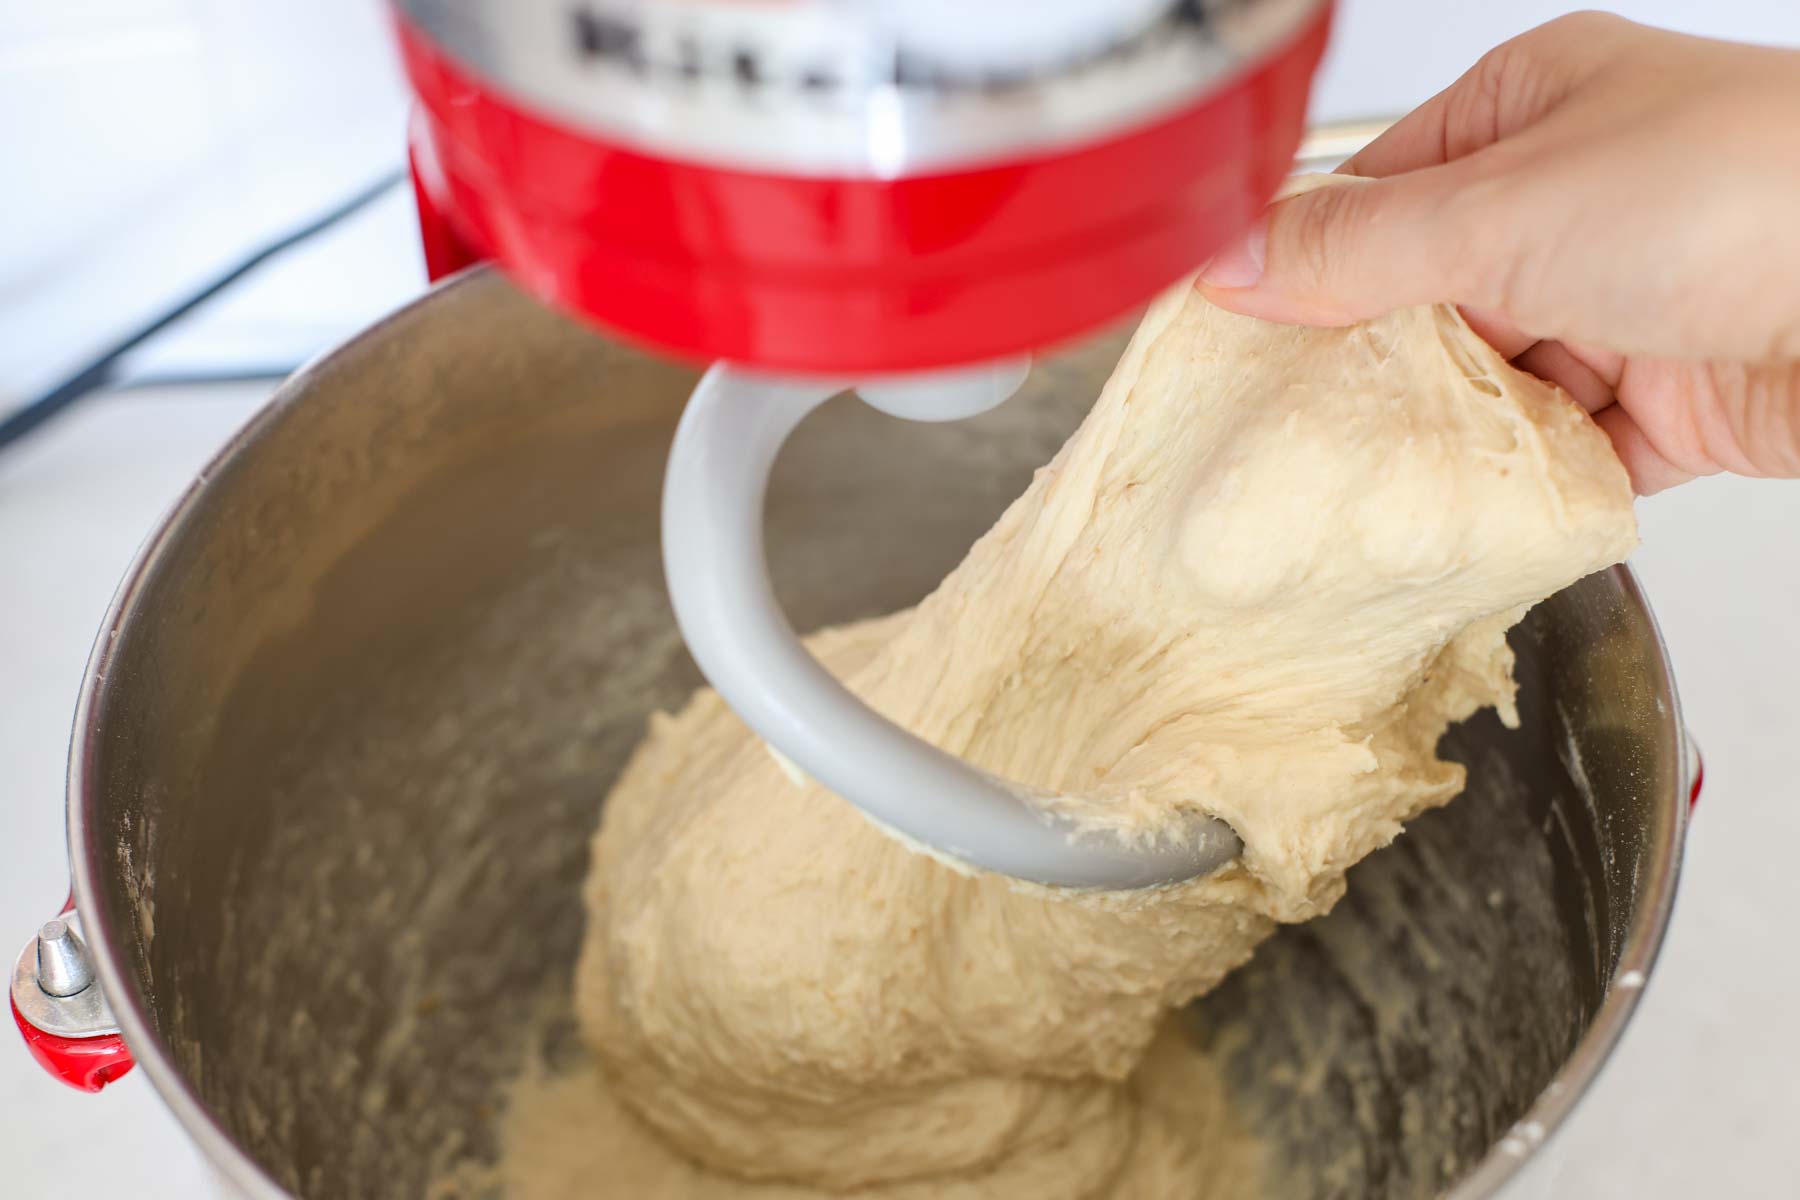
(662, 50)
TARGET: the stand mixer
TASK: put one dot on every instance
(904, 198)
(226, 884)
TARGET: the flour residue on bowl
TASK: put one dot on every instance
(564, 1134)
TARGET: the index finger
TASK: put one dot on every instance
(1509, 89)
(1413, 142)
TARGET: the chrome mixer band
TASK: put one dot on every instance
(880, 90)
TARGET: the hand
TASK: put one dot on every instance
(1616, 208)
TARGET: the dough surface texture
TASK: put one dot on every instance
(1270, 568)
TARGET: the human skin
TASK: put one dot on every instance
(1615, 208)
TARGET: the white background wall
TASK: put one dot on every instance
(150, 144)
(147, 142)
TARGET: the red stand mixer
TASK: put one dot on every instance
(906, 198)
(850, 188)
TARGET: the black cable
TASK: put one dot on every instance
(96, 373)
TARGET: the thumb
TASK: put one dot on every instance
(1333, 249)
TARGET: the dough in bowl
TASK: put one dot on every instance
(1270, 568)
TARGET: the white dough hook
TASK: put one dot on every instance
(712, 535)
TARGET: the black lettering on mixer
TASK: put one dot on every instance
(610, 39)
(745, 67)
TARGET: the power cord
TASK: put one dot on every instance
(99, 371)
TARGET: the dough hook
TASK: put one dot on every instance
(729, 436)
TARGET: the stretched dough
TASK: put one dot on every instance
(1268, 570)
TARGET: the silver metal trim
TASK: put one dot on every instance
(63, 969)
(74, 1005)
(855, 90)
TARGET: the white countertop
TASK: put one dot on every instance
(1701, 1099)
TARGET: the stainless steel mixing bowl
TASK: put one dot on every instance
(346, 731)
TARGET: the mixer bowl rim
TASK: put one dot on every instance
(1547, 1113)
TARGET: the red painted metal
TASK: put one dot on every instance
(851, 275)
(87, 1064)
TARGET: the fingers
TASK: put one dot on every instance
(1469, 115)
(1505, 92)
(1498, 331)
(1650, 470)
(1555, 362)
(1677, 420)
(1415, 141)
(1607, 365)
(1335, 255)
(1428, 227)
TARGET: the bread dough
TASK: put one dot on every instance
(566, 1135)
(1268, 570)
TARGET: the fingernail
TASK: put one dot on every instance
(1240, 264)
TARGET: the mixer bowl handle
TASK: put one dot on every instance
(61, 1010)
(712, 534)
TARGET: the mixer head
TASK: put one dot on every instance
(848, 188)
(901, 196)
